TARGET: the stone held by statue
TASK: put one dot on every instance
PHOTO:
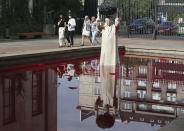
(107, 8)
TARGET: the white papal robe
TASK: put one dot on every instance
(109, 50)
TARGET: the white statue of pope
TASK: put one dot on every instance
(109, 49)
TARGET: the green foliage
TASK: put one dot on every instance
(173, 16)
(63, 6)
(16, 16)
(135, 9)
(133, 62)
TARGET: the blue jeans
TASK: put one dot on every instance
(94, 37)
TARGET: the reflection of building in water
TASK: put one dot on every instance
(89, 87)
(153, 88)
(151, 91)
(27, 100)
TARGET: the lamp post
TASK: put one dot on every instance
(154, 37)
(128, 18)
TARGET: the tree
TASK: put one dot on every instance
(16, 14)
(134, 9)
(20, 19)
(63, 6)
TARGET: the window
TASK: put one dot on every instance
(182, 111)
(171, 97)
(159, 108)
(97, 80)
(128, 71)
(36, 93)
(157, 72)
(126, 106)
(127, 82)
(183, 88)
(142, 83)
(127, 94)
(157, 61)
(156, 96)
(97, 91)
(182, 100)
(142, 107)
(173, 61)
(156, 84)
(8, 101)
(142, 70)
(171, 86)
(141, 94)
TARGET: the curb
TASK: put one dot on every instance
(49, 54)
(45, 55)
(155, 51)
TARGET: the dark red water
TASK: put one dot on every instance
(143, 93)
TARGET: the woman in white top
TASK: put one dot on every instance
(61, 25)
(86, 30)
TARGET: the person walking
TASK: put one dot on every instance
(86, 30)
(94, 30)
(61, 25)
(71, 30)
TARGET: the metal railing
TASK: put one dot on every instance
(154, 19)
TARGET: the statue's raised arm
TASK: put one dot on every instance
(117, 25)
(109, 50)
(100, 27)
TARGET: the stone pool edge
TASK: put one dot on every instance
(82, 51)
(46, 54)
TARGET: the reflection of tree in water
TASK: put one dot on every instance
(62, 69)
(131, 62)
(78, 69)
(20, 78)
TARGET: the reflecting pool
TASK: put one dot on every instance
(144, 92)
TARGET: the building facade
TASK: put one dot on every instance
(27, 100)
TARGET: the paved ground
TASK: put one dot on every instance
(153, 44)
(14, 47)
(29, 45)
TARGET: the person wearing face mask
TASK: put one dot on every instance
(71, 30)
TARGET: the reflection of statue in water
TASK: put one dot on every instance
(109, 50)
(106, 103)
